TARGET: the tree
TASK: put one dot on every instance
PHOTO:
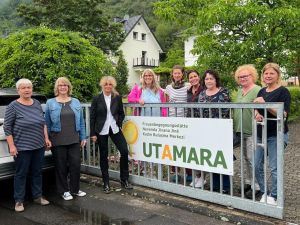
(10, 21)
(84, 16)
(122, 75)
(234, 32)
(42, 55)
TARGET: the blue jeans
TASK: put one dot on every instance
(31, 162)
(259, 163)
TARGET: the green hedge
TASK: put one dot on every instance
(295, 103)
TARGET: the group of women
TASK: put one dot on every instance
(29, 133)
(62, 129)
(209, 89)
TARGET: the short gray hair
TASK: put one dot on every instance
(23, 81)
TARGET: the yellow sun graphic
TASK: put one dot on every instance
(131, 134)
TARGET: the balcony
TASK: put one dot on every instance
(145, 62)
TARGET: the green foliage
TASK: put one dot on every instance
(10, 21)
(234, 32)
(84, 16)
(122, 75)
(42, 55)
(295, 103)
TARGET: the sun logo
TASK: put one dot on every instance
(131, 134)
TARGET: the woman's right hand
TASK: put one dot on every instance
(94, 138)
(13, 151)
(142, 102)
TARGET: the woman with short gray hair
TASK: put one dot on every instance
(26, 135)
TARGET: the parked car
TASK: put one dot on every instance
(7, 166)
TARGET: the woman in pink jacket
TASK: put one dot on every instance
(149, 92)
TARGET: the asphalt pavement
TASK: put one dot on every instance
(97, 208)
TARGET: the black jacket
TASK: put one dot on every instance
(98, 112)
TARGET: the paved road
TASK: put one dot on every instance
(117, 208)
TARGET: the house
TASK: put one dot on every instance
(140, 48)
(189, 58)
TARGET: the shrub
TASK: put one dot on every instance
(42, 55)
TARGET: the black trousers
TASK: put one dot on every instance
(121, 144)
(67, 163)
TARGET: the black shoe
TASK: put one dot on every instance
(257, 195)
(125, 184)
(247, 187)
(106, 188)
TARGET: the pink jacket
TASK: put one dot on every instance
(135, 95)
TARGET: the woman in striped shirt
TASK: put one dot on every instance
(177, 91)
(26, 134)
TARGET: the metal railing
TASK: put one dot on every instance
(160, 176)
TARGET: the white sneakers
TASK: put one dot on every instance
(67, 195)
(270, 200)
(198, 182)
(80, 194)
(19, 207)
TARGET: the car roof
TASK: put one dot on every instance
(13, 92)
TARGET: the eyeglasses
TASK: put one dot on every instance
(63, 85)
(243, 76)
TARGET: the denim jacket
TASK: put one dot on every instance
(52, 116)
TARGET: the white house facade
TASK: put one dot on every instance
(140, 48)
(189, 58)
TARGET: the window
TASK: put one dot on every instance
(144, 37)
(135, 35)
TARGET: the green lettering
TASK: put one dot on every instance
(149, 154)
(179, 154)
(157, 146)
(220, 160)
(205, 155)
(193, 156)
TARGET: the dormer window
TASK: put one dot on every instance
(143, 37)
(135, 35)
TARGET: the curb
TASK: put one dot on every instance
(223, 213)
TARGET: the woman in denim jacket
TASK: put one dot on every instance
(64, 119)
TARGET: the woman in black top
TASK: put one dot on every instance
(192, 96)
(273, 92)
(107, 115)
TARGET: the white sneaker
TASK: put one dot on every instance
(195, 181)
(262, 200)
(80, 193)
(200, 182)
(67, 196)
(271, 200)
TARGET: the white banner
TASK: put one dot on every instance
(195, 143)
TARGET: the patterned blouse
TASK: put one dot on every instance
(221, 96)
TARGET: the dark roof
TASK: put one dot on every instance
(130, 23)
(12, 92)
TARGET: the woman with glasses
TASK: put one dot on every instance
(107, 115)
(246, 76)
(64, 119)
(149, 92)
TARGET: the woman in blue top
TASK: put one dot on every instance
(64, 119)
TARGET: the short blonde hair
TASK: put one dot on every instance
(275, 67)
(154, 86)
(23, 81)
(251, 68)
(109, 79)
(63, 80)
